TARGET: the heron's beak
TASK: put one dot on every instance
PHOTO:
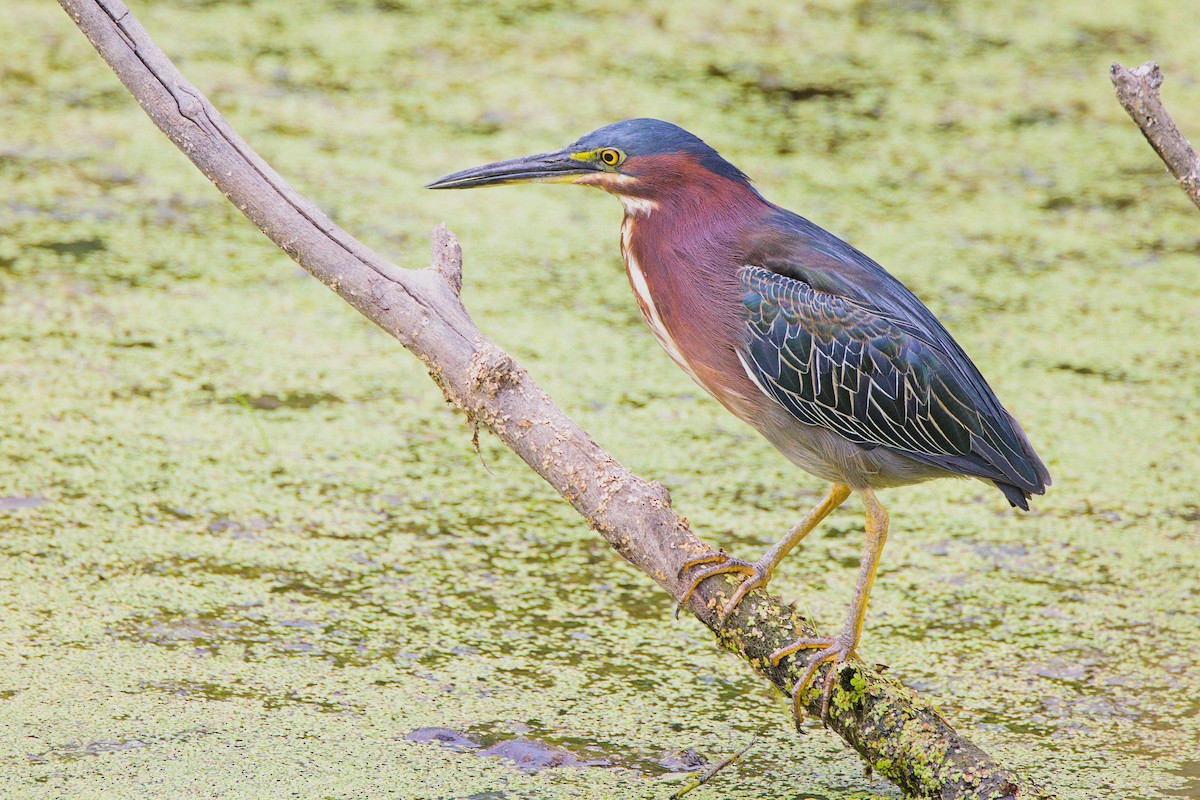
(558, 167)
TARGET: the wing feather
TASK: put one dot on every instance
(837, 363)
(916, 387)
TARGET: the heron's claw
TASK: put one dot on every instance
(835, 650)
(757, 574)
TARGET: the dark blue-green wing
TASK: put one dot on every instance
(839, 363)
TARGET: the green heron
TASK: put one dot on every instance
(809, 341)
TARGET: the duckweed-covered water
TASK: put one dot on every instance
(249, 551)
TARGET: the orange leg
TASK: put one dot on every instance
(759, 572)
(841, 647)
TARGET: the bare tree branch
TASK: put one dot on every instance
(899, 735)
(1137, 91)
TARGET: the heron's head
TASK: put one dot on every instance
(641, 161)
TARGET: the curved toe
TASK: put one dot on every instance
(757, 575)
(831, 649)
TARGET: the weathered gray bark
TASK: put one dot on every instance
(901, 736)
(1137, 91)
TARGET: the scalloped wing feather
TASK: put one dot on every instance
(840, 364)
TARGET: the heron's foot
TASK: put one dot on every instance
(832, 651)
(721, 563)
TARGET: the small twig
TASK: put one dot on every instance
(447, 257)
(695, 782)
(474, 423)
(1137, 91)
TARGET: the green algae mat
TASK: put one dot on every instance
(250, 552)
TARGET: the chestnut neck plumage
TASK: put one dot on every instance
(682, 241)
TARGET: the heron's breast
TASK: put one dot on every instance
(690, 317)
(645, 300)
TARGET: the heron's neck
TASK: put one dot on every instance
(682, 254)
(683, 250)
(692, 217)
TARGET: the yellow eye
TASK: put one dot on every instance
(611, 157)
